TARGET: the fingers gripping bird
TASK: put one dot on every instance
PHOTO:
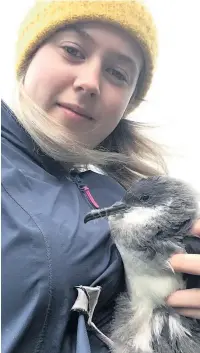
(148, 226)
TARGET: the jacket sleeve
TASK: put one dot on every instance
(24, 277)
(192, 245)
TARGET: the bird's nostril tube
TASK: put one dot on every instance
(105, 212)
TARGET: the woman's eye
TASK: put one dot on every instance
(119, 74)
(70, 50)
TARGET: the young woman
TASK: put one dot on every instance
(81, 68)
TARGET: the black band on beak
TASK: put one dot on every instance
(105, 212)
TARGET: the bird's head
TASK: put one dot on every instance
(152, 208)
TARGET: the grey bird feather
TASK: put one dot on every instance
(148, 226)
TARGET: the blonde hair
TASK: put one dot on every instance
(125, 155)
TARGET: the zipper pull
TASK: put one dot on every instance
(83, 188)
(90, 197)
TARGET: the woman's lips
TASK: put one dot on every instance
(71, 114)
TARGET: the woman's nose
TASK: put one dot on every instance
(88, 81)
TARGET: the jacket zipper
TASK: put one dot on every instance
(84, 190)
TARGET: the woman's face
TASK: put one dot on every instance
(85, 69)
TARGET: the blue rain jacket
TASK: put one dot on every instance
(47, 250)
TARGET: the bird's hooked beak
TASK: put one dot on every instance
(105, 212)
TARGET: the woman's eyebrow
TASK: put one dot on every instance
(120, 56)
(83, 34)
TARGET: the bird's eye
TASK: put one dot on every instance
(144, 198)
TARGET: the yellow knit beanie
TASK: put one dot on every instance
(47, 16)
